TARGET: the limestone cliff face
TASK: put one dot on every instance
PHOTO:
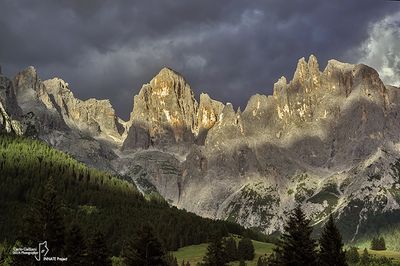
(96, 117)
(40, 113)
(313, 96)
(165, 113)
(50, 105)
(207, 115)
(9, 109)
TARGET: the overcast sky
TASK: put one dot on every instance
(229, 49)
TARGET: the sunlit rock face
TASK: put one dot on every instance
(88, 130)
(50, 105)
(165, 113)
(207, 115)
(97, 117)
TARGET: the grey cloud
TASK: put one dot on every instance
(230, 49)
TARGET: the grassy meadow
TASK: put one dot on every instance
(195, 253)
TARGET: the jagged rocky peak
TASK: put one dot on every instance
(9, 109)
(27, 86)
(313, 95)
(96, 117)
(258, 115)
(229, 126)
(208, 112)
(306, 70)
(164, 113)
(50, 105)
(228, 115)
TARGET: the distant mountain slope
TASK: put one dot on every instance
(92, 198)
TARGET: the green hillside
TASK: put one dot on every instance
(195, 253)
(94, 199)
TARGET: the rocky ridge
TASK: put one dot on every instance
(9, 109)
(325, 139)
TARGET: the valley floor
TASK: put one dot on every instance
(195, 253)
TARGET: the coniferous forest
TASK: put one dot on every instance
(45, 193)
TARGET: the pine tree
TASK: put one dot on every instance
(216, 253)
(378, 243)
(97, 252)
(296, 247)
(242, 262)
(231, 249)
(5, 253)
(374, 243)
(352, 255)
(75, 247)
(331, 246)
(364, 260)
(171, 260)
(144, 249)
(45, 222)
(261, 261)
(246, 249)
(382, 243)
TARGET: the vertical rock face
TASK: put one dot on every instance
(50, 105)
(314, 96)
(97, 117)
(164, 113)
(229, 126)
(39, 111)
(9, 109)
(208, 112)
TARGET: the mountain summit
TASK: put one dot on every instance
(166, 113)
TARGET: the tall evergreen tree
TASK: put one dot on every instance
(262, 261)
(75, 247)
(45, 221)
(365, 260)
(296, 247)
(171, 260)
(97, 252)
(331, 246)
(231, 249)
(352, 255)
(246, 249)
(144, 249)
(382, 243)
(5, 253)
(378, 243)
(216, 253)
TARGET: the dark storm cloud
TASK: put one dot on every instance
(230, 49)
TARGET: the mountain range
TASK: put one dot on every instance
(326, 139)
